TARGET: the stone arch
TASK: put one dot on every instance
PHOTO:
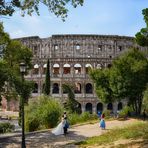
(36, 69)
(99, 66)
(88, 108)
(87, 67)
(56, 68)
(44, 68)
(79, 108)
(99, 107)
(120, 106)
(35, 89)
(109, 65)
(110, 106)
(88, 88)
(77, 68)
(78, 88)
(66, 68)
(55, 88)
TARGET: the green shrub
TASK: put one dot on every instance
(79, 118)
(124, 112)
(43, 112)
(107, 113)
(6, 127)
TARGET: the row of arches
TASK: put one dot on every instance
(88, 88)
(66, 68)
(99, 107)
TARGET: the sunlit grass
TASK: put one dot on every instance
(137, 130)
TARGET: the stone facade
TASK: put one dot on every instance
(70, 57)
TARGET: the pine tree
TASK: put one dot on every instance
(47, 79)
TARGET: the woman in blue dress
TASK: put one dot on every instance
(102, 122)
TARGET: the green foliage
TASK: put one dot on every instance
(57, 7)
(145, 100)
(71, 104)
(44, 112)
(102, 84)
(127, 78)
(107, 113)
(124, 112)
(135, 131)
(75, 118)
(142, 36)
(6, 127)
(47, 79)
(13, 53)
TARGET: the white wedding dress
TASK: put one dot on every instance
(59, 129)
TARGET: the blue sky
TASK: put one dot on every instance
(105, 17)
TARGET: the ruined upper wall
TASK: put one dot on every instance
(79, 46)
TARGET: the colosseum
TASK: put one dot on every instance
(70, 57)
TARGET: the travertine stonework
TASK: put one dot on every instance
(70, 57)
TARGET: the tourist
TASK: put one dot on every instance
(102, 122)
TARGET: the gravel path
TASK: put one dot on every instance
(46, 139)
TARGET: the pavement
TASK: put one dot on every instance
(45, 139)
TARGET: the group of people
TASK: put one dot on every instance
(62, 127)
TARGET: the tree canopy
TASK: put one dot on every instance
(142, 36)
(58, 7)
(12, 53)
(126, 79)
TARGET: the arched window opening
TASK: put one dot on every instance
(36, 69)
(55, 88)
(110, 106)
(88, 88)
(99, 107)
(66, 69)
(77, 88)
(88, 108)
(109, 65)
(120, 106)
(99, 66)
(35, 90)
(44, 68)
(77, 68)
(56, 69)
(79, 109)
(87, 67)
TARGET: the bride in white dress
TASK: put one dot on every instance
(59, 130)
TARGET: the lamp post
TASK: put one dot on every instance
(22, 70)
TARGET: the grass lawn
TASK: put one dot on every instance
(136, 134)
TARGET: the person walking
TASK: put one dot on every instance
(102, 122)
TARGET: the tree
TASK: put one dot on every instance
(127, 78)
(71, 104)
(47, 79)
(102, 84)
(142, 36)
(58, 7)
(13, 52)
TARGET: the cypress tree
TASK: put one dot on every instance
(47, 79)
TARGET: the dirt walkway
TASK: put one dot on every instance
(47, 140)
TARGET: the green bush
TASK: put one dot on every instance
(124, 112)
(107, 113)
(6, 127)
(79, 118)
(41, 113)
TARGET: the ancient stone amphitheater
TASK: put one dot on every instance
(70, 57)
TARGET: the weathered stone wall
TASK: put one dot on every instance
(71, 50)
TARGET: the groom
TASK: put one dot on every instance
(66, 125)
